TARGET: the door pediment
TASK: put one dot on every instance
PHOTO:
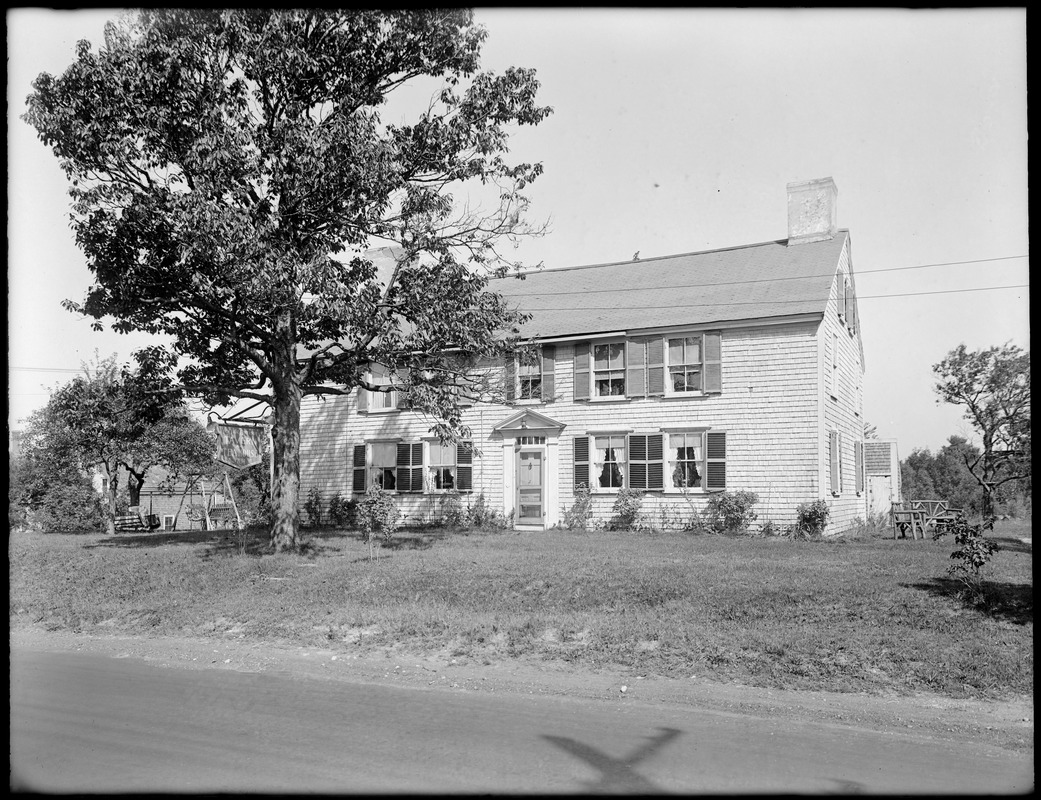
(528, 421)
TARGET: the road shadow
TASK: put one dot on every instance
(617, 775)
(1011, 602)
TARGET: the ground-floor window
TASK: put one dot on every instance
(666, 461)
(413, 467)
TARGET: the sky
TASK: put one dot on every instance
(677, 131)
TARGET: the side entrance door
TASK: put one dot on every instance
(880, 494)
(531, 492)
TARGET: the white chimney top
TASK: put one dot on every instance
(812, 210)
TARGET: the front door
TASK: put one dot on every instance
(530, 489)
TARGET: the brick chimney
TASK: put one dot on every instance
(812, 210)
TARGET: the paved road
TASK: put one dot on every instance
(84, 722)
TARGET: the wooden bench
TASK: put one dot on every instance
(917, 516)
(129, 522)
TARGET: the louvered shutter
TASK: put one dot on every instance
(358, 483)
(833, 459)
(582, 372)
(840, 296)
(511, 378)
(713, 362)
(656, 461)
(581, 461)
(464, 459)
(715, 461)
(410, 467)
(637, 461)
(858, 457)
(849, 306)
(635, 368)
(549, 369)
(656, 366)
(363, 400)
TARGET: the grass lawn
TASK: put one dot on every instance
(867, 614)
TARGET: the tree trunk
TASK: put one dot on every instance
(113, 485)
(286, 490)
(134, 484)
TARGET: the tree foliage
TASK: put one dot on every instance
(104, 422)
(230, 169)
(993, 386)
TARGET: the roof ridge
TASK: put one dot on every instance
(660, 258)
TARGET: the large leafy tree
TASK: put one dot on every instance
(230, 169)
(178, 443)
(993, 386)
(100, 422)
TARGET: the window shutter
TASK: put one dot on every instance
(656, 366)
(858, 458)
(656, 461)
(833, 458)
(635, 368)
(549, 368)
(848, 304)
(462, 394)
(358, 484)
(715, 461)
(464, 459)
(581, 465)
(840, 296)
(851, 309)
(410, 467)
(582, 374)
(637, 461)
(511, 378)
(363, 400)
(714, 362)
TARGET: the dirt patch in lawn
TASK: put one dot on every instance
(1007, 723)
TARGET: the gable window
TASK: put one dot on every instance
(685, 450)
(609, 369)
(609, 461)
(685, 364)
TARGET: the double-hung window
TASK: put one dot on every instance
(609, 369)
(688, 466)
(529, 376)
(442, 467)
(609, 461)
(383, 468)
(385, 400)
(685, 364)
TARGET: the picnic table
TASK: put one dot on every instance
(917, 516)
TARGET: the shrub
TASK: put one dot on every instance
(313, 506)
(577, 517)
(378, 516)
(626, 510)
(343, 511)
(453, 515)
(972, 555)
(812, 519)
(731, 512)
(770, 528)
(480, 515)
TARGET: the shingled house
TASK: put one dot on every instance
(682, 375)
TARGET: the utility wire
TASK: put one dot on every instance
(773, 302)
(763, 280)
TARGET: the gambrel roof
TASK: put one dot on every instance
(767, 280)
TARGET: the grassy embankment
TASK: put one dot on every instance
(851, 615)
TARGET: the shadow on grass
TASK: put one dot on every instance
(158, 539)
(1011, 602)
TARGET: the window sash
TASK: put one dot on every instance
(609, 461)
(687, 459)
(609, 369)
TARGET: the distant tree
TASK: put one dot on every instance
(48, 491)
(97, 421)
(178, 443)
(870, 431)
(993, 386)
(229, 170)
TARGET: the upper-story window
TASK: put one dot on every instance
(685, 364)
(529, 376)
(609, 369)
(381, 401)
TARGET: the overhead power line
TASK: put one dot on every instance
(767, 302)
(770, 280)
